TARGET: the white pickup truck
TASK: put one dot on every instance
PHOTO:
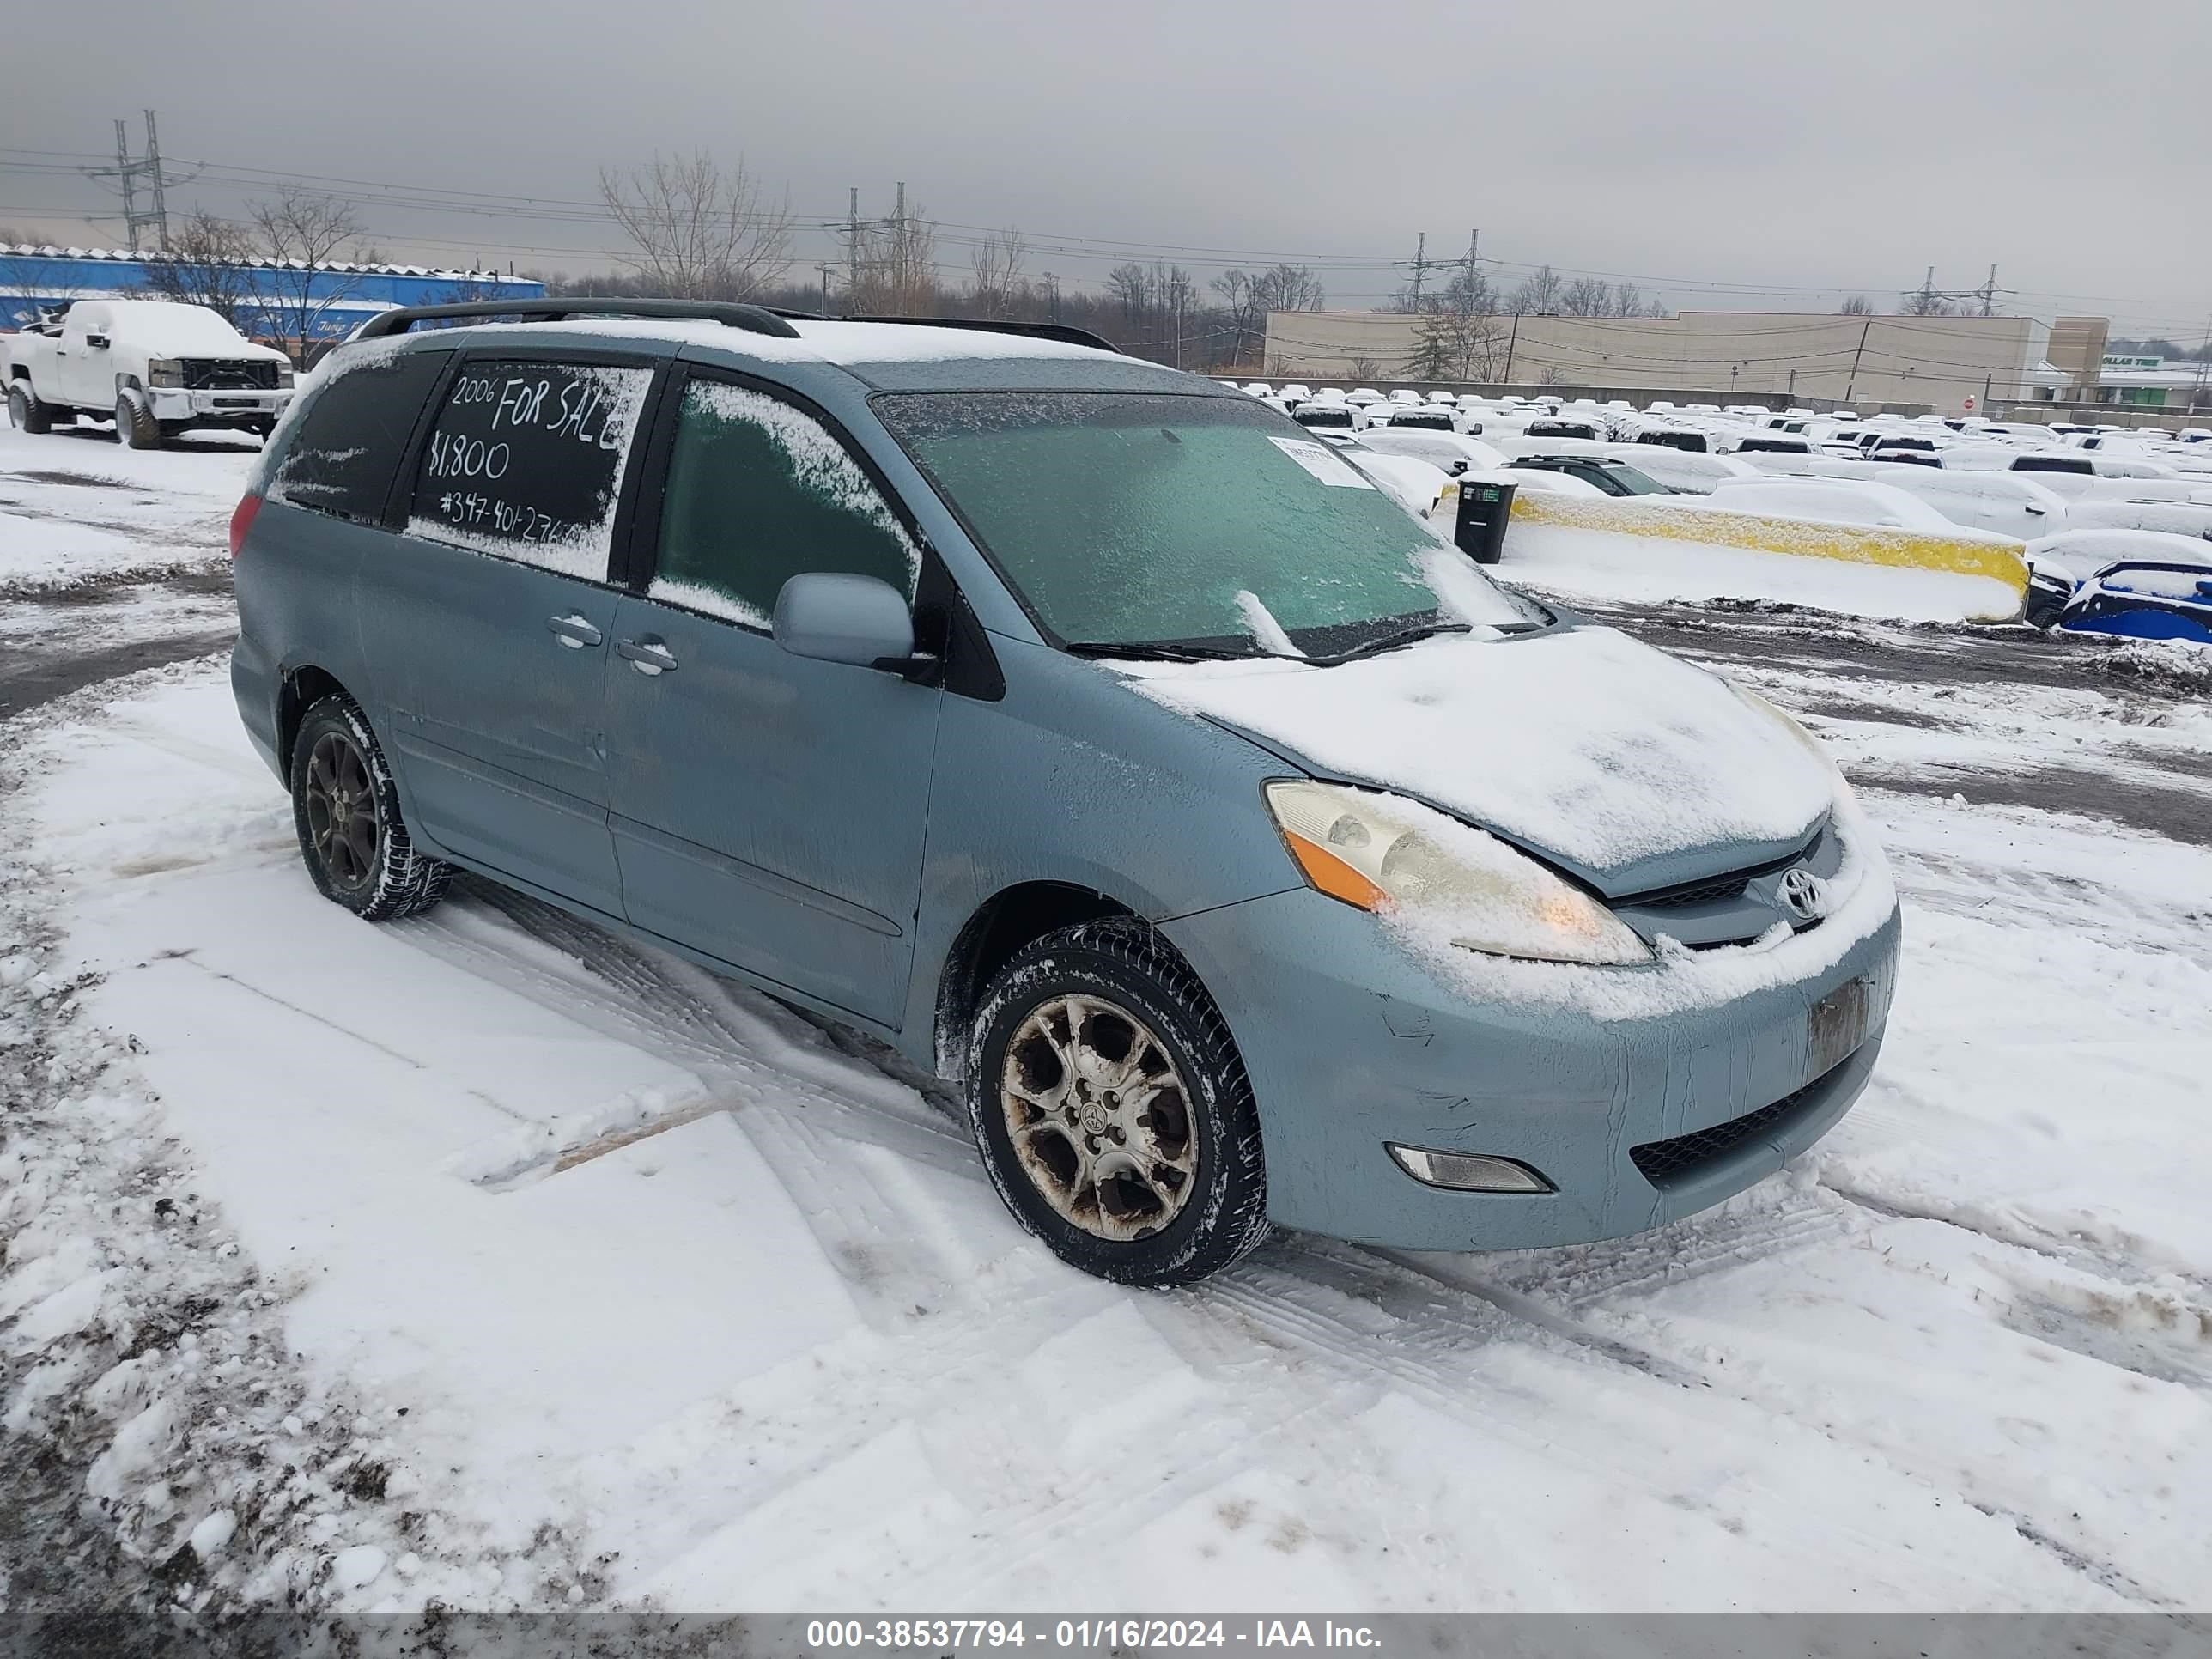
(153, 367)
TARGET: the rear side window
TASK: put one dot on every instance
(759, 492)
(525, 461)
(343, 455)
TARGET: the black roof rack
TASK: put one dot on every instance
(754, 319)
(1066, 333)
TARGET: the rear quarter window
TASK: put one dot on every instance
(525, 460)
(346, 448)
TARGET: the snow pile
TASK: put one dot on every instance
(1826, 502)
(1659, 570)
(1581, 742)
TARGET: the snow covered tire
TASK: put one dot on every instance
(1123, 975)
(27, 412)
(346, 810)
(134, 420)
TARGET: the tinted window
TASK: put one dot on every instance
(759, 492)
(525, 460)
(346, 447)
(2053, 464)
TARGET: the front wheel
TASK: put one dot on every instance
(1113, 1109)
(347, 811)
(134, 421)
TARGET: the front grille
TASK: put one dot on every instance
(1661, 1161)
(217, 374)
(1713, 892)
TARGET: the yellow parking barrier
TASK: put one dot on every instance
(1917, 549)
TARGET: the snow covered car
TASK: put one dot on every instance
(2144, 602)
(1087, 731)
(154, 367)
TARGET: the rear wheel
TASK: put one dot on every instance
(134, 420)
(347, 811)
(1113, 1111)
(25, 411)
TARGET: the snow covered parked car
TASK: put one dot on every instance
(2144, 602)
(2010, 503)
(153, 367)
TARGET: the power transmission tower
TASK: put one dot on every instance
(1422, 265)
(126, 173)
(1987, 294)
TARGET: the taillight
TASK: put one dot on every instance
(241, 520)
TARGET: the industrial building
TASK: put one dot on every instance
(35, 278)
(1940, 362)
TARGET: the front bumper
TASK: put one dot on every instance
(173, 404)
(1352, 1043)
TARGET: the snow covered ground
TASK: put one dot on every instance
(76, 507)
(484, 1257)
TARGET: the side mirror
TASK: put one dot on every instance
(96, 342)
(862, 621)
(1460, 466)
(2205, 590)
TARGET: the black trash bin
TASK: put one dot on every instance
(1484, 508)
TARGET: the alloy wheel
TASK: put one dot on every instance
(1099, 1117)
(342, 814)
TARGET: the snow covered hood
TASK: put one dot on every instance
(1611, 757)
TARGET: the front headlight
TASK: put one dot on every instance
(165, 372)
(1396, 857)
(284, 376)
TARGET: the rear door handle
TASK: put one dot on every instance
(574, 632)
(648, 656)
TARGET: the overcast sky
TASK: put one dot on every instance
(1768, 155)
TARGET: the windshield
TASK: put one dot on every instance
(1325, 415)
(1135, 518)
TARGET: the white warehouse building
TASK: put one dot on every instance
(1940, 361)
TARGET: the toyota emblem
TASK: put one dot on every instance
(1802, 894)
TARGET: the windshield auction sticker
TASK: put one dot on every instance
(1322, 461)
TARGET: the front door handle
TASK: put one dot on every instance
(574, 632)
(649, 655)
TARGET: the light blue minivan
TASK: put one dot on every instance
(1086, 730)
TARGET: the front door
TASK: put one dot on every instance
(497, 604)
(768, 810)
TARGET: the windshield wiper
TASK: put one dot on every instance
(1390, 641)
(1161, 652)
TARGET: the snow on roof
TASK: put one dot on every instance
(125, 256)
(844, 343)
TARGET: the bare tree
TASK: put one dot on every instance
(1365, 368)
(1241, 299)
(1857, 306)
(1461, 339)
(999, 287)
(703, 232)
(1289, 288)
(1587, 296)
(209, 262)
(1538, 297)
(300, 276)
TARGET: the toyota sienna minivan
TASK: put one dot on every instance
(1088, 730)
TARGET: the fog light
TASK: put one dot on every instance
(1469, 1172)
